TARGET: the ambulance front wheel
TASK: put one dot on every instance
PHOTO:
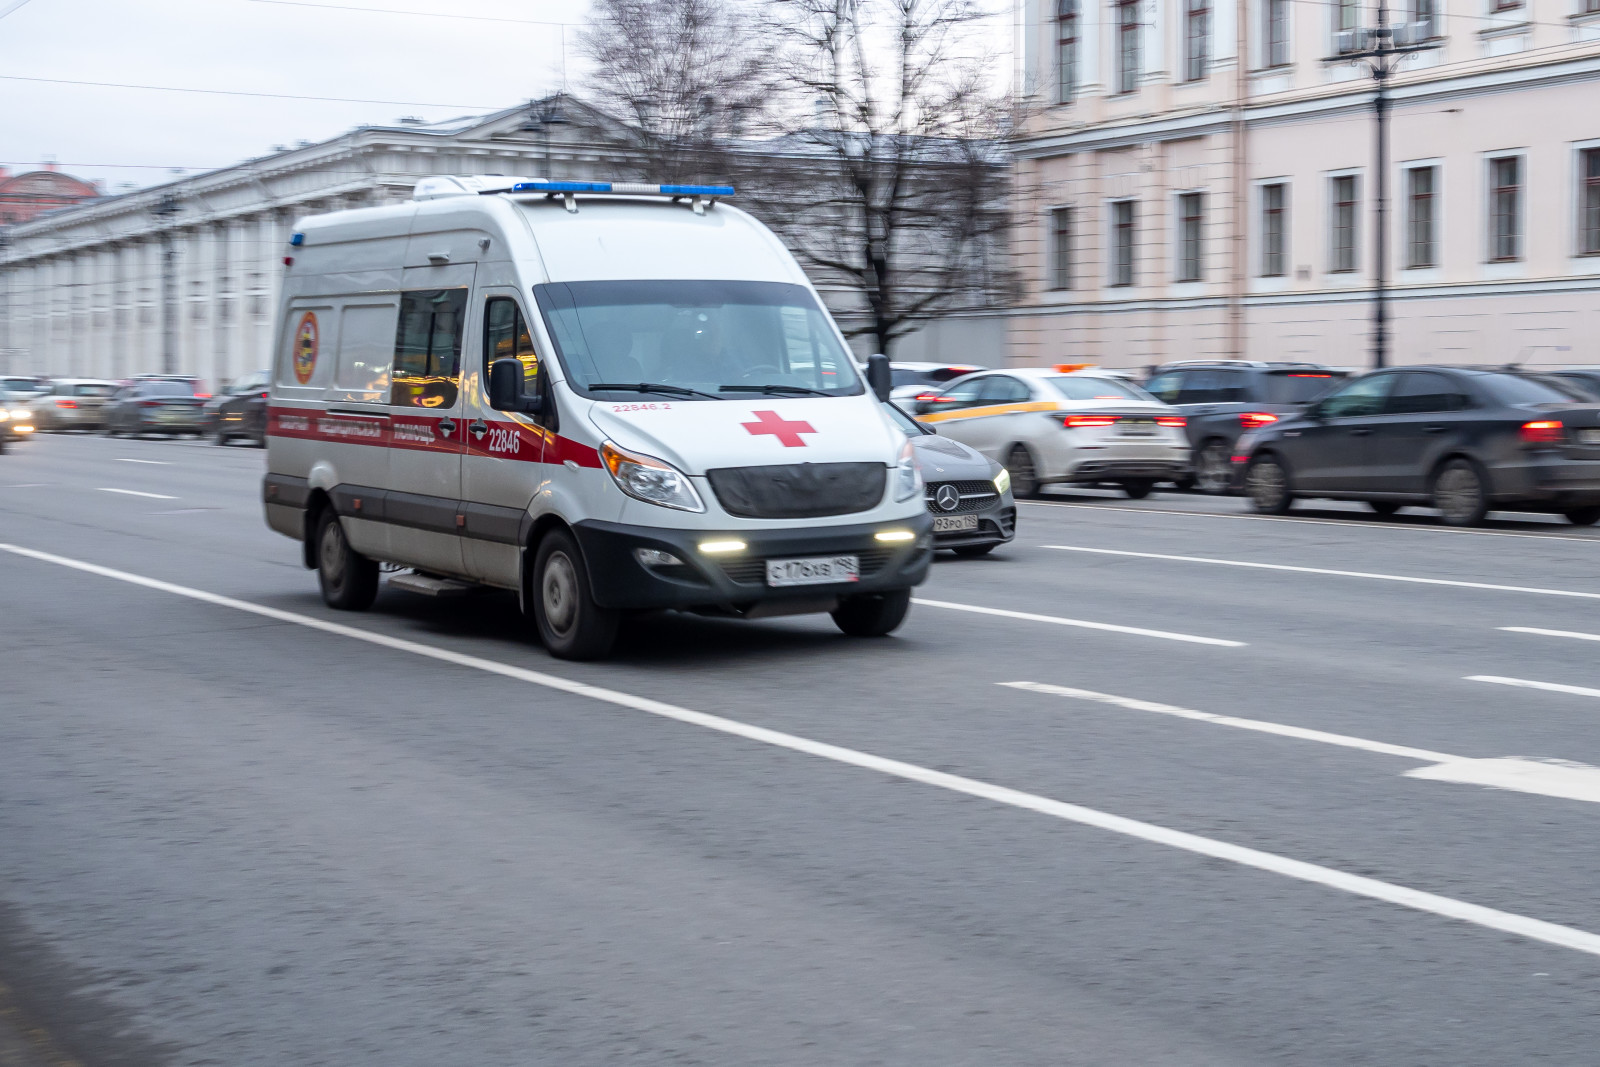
(571, 624)
(873, 614)
(348, 579)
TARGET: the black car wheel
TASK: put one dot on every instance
(1137, 488)
(872, 614)
(1461, 493)
(1213, 468)
(571, 624)
(1383, 507)
(969, 551)
(1583, 516)
(1267, 483)
(108, 430)
(221, 436)
(1024, 473)
(348, 579)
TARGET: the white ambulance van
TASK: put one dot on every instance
(608, 397)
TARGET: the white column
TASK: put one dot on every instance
(1154, 16)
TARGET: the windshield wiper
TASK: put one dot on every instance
(653, 387)
(791, 390)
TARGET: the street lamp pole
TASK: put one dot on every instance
(1383, 47)
(164, 210)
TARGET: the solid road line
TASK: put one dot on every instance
(135, 492)
(1523, 683)
(1354, 884)
(1578, 635)
(152, 462)
(1028, 616)
(1324, 570)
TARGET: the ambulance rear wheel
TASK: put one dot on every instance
(348, 579)
(873, 614)
(571, 624)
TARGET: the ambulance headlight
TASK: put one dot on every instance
(905, 476)
(649, 479)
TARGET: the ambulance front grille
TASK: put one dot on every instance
(799, 490)
(754, 571)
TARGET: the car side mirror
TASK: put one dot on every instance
(879, 377)
(505, 388)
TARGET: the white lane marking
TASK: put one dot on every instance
(1028, 616)
(1356, 520)
(1325, 570)
(1259, 725)
(152, 462)
(1354, 884)
(1551, 633)
(1552, 778)
(1523, 683)
(135, 492)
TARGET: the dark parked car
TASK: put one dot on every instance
(1463, 439)
(968, 494)
(239, 411)
(154, 405)
(1223, 398)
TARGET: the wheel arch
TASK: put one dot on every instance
(537, 529)
(315, 503)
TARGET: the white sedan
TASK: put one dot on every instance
(1050, 425)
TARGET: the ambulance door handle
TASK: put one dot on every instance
(478, 427)
(447, 426)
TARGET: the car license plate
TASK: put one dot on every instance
(819, 571)
(954, 523)
(1136, 427)
(1589, 436)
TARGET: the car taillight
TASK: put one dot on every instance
(1080, 422)
(149, 403)
(1254, 420)
(926, 396)
(1171, 420)
(1544, 432)
(202, 396)
(66, 403)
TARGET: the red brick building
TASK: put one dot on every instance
(31, 193)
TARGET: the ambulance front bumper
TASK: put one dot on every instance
(627, 570)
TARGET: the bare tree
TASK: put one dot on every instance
(688, 75)
(900, 169)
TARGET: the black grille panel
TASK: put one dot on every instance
(754, 571)
(799, 490)
(975, 496)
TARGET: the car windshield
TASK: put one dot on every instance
(166, 389)
(1078, 387)
(699, 339)
(1521, 389)
(1299, 387)
(899, 376)
(93, 390)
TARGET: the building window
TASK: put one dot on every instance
(1272, 230)
(1128, 58)
(1066, 51)
(1505, 209)
(1061, 248)
(1191, 227)
(1591, 7)
(1420, 217)
(1589, 223)
(1276, 32)
(1122, 247)
(1347, 15)
(1507, 5)
(1197, 39)
(1342, 248)
(1422, 11)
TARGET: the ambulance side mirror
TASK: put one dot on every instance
(505, 388)
(879, 376)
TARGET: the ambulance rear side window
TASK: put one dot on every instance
(427, 348)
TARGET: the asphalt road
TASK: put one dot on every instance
(239, 828)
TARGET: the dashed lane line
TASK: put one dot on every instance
(1540, 631)
(1525, 683)
(1375, 576)
(1354, 884)
(152, 462)
(1028, 616)
(135, 492)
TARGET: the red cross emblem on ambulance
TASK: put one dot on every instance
(786, 432)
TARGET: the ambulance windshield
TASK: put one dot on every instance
(695, 340)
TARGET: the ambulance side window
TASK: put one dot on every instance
(427, 348)
(506, 336)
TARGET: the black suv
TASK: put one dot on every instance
(1223, 398)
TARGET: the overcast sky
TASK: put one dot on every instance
(433, 67)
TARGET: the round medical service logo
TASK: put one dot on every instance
(305, 348)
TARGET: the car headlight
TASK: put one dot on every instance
(906, 477)
(649, 479)
(1002, 481)
(20, 414)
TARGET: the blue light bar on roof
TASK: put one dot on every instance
(633, 188)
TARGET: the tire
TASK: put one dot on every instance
(1583, 516)
(1384, 507)
(973, 551)
(1213, 468)
(1267, 483)
(108, 430)
(221, 436)
(348, 579)
(1461, 493)
(1024, 472)
(873, 614)
(570, 623)
(1137, 488)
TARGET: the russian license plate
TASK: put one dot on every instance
(954, 523)
(819, 571)
(1139, 427)
(1589, 436)
(170, 414)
